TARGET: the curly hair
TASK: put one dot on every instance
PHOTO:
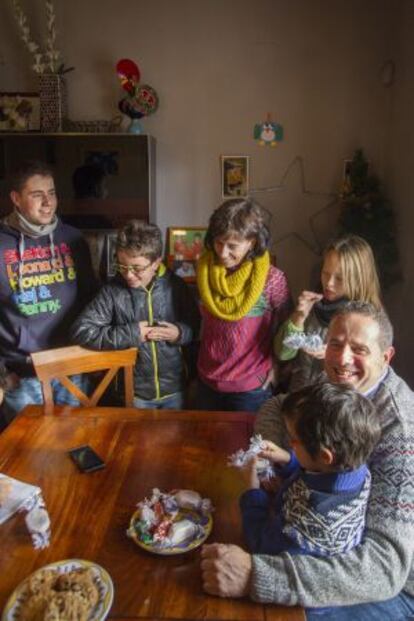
(242, 217)
(139, 238)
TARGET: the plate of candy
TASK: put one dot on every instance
(171, 523)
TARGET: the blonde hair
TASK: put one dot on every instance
(359, 272)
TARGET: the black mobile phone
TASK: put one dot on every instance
(86, 459)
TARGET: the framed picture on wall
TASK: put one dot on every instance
(19, 112)
(184, 248)
(234, 176)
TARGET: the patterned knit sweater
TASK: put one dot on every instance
(383, 564)
(236, 356)
(313, 512)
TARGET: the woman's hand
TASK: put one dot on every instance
(304, 306)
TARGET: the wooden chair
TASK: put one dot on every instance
(64, 361)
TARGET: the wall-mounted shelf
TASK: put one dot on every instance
(124, 190)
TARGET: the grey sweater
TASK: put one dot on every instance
(382, 565)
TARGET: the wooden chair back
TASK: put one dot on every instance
(59, 363)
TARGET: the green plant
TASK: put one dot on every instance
(365, 211)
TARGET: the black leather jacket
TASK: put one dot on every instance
(111, 320)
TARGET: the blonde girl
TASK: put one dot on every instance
(243, 301)
(348, 273)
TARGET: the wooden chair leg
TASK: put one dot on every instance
(129, 387)
(47, 397)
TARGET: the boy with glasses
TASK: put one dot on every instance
(148, 307)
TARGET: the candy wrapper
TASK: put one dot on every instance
(16, 496)
(301, 340)
(162, 520)
(241, 458)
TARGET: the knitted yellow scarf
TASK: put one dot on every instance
(231, 296)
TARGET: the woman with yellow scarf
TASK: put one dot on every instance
(243, 301)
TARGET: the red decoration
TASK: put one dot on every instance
(129, 74)
(141, 100)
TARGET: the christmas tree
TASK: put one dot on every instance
(366, 212)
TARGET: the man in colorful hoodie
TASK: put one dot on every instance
(46, 278)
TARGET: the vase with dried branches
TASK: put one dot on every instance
(47, 64)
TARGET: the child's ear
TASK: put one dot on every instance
(327, 456)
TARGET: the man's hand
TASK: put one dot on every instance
(164, 332)
(304, 306)
(226, 570)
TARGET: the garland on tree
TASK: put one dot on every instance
(366, 212)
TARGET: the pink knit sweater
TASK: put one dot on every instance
(236, 356)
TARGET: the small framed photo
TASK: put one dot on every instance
(184, 247)
(110, 241)
(19, 112)
(234, 176)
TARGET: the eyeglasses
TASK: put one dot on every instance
(135, 269)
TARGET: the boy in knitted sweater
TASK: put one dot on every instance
(321, 504)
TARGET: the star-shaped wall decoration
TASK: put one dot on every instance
(300, 220)
(292, 207)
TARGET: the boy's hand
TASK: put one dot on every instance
(271, 486)
(144, 330)
(164, 332)
(274, 453)
(249, 475)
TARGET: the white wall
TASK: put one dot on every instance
(219, 67)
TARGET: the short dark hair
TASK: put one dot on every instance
(243, 217)
(385, 332)
(337, 417)
(138, 237)
(27, 169)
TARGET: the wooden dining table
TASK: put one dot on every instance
(90, 513)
